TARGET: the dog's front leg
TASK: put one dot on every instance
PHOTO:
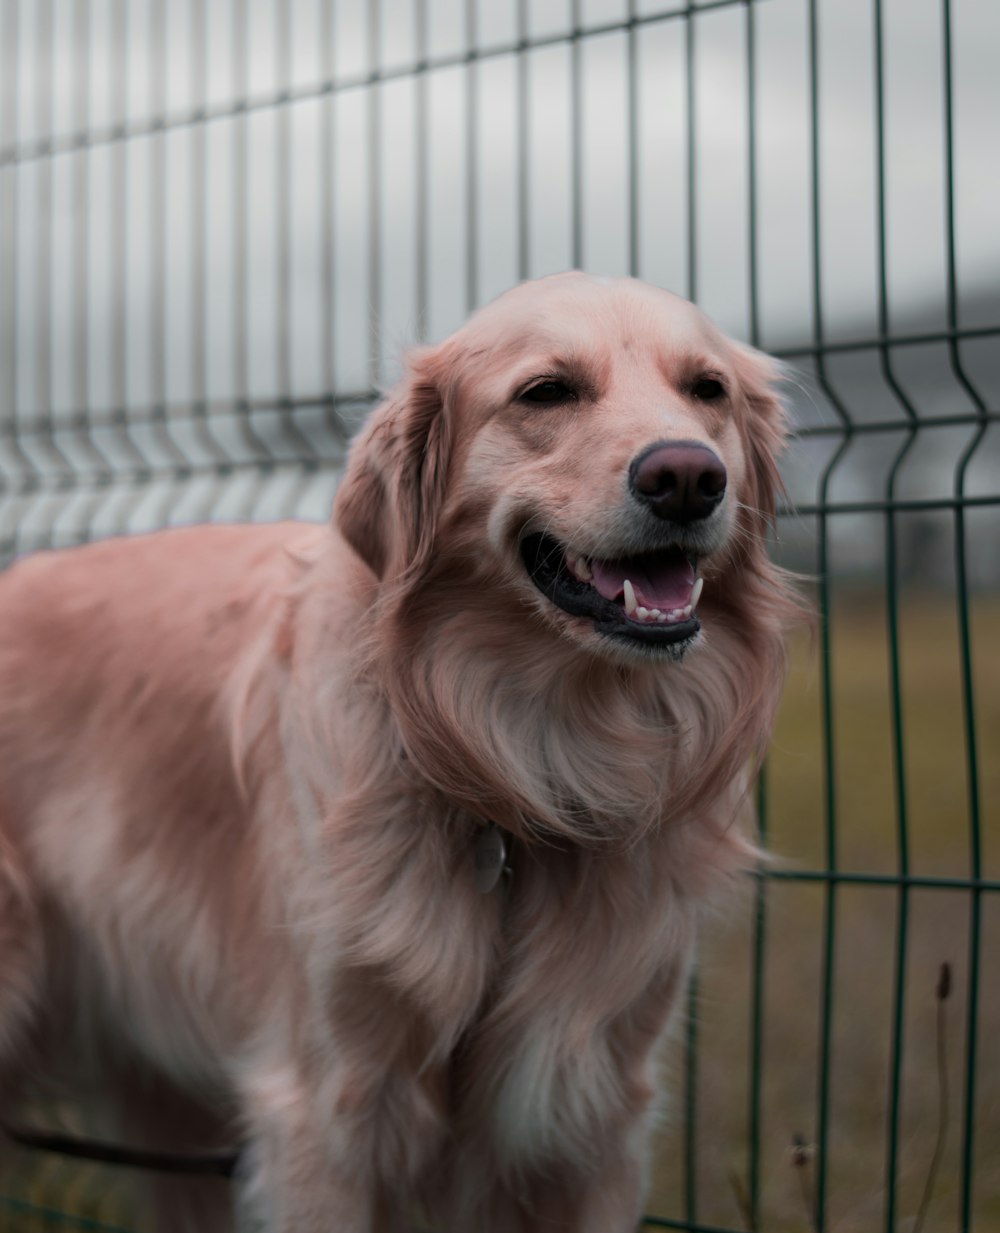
(602, 1190)
(607, 1198)
(304, 1171)
(293, 1187)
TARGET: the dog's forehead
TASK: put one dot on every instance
(567, 312)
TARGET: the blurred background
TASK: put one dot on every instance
(223, 221)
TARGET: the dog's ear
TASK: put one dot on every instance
(389, 500)
(764, 430)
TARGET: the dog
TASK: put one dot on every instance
(381, 847)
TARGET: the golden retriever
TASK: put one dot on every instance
(381, 847)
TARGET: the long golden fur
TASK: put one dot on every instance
(245, 774)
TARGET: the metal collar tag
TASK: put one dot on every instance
(490, 857)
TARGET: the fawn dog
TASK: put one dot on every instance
(381, 847)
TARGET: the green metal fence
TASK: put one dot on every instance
(219, 223)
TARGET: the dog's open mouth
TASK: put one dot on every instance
(649, 598)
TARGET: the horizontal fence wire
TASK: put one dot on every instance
(89, 449)
(30, 151)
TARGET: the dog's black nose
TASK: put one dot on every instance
(681, 481)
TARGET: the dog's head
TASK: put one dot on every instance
(593, 453)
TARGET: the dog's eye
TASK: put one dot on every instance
(707, 389)
(547, 393)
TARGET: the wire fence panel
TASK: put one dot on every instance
(222, 222)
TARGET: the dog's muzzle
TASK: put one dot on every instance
(648, 598)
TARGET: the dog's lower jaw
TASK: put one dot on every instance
(630, 650)
(579, 600)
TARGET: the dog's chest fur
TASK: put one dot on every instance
(520, 1021)
(562, 1053)
(505, 1026)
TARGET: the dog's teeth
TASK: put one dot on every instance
(672, 618)
(579, 568)
(630, 601)
(696, 593)
(661, 617)
(642, 613)
(686, 612)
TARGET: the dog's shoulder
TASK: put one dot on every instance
(139, 631)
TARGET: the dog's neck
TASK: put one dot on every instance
(517, 727)
(538, 740)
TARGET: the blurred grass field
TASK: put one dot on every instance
(937, 814)
(868, 840)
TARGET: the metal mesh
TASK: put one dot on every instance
(219, 225)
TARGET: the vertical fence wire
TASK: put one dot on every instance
(422, 188)
(576, 138)
(632, 139)
(255, 447)
(759, 925)
(691, 224)
(23, 482)
(294, 443)
(523, 139)
(174, 464)
(80, 167)
(327, 226)
(471, 161)
(892, 612)
(829, 763)
(282, 17)
(218, 459)
(375, 211)
(240, 198)
(965, 636)
(42, 365)
(15, 480)
(117, 240)
(965, 640)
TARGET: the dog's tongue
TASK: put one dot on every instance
(661, 580)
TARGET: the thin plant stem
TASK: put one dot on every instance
(942, 992)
